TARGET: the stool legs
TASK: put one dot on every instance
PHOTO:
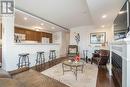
(40, 60)
(52, 57)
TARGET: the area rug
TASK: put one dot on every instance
(86, 79)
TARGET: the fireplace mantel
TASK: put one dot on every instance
(121, 49)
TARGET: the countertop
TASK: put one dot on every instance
(36, 43)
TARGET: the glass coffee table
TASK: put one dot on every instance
(74, 66)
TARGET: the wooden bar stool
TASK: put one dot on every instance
(23, 60)
(40, 60)
(52, 56)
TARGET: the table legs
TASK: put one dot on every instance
(75, 70)
(63, 68)
(82, 68)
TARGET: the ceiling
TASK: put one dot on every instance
(72, 13)
(98, 8)
(34, 23)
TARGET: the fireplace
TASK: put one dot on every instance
(117, 68)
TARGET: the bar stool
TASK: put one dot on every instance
(85, 54)
(40, 60)
(23, 60)
(52, 56)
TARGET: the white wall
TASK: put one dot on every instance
(84, 32)
(65, 43)
(62, 38)
(7, 41)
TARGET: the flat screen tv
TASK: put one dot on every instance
(121, 26)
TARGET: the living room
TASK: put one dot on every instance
(65, 43)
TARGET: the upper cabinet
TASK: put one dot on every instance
(19, 30)
(33, 35)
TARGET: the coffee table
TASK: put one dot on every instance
(74, 66)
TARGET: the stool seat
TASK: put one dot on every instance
(24, 54)
(52, 50)
(40, 52)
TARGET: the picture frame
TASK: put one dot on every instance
(98, 38)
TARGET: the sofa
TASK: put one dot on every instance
(27, 78)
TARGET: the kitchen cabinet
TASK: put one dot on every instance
(32, 35)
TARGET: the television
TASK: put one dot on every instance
(121, 22)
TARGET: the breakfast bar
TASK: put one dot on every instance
(31, 49)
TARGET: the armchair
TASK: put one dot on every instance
(100, 57)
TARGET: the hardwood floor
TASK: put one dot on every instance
(103, 78)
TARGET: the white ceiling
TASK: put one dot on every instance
(73, 13)
(33, 22)
(100, 7)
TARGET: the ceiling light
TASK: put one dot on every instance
(25, 18)
(38, 28)
(104, 16)
(42, 23)
(52, 27)
(102, 26)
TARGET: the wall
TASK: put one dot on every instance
(62, 38)
(65, 43)
(84, 32)
(0, 31)
(0, 42)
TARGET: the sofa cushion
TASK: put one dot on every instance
(8, 82)
(4, 74)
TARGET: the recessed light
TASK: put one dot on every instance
(25, 18)
(104, 16)
(102, 26)
(37, 30)
(42, 23)
(52, 27)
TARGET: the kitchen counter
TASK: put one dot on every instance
(36, 43)
(32, 49)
